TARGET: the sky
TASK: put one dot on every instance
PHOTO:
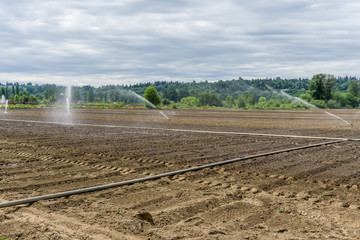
(93, 42)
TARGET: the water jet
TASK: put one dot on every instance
(6, 106)
(313, 106)
(67, 104)
(164, 115)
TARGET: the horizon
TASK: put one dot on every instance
(151, 83)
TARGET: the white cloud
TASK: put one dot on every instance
(123, 42)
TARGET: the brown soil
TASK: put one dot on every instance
(304, 194)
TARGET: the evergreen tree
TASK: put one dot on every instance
(91, 96)
(76, 95)
(353, 88)
(171, 94)
(7, 92)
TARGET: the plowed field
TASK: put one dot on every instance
(310, 193)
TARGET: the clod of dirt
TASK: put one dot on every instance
(244, 189)
(214, 232)
(289, 179)
(145, 216)
(254, 190)
(345, 205)
(302, 196)
(276, 193)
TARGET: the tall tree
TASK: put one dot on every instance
(183, 94)
(90, 95)
(171, 94)
(353, 88)
(209, 98)
(50, 94)
(17, 89)
(329, 83)
(76, 95)
(85, 96)
(321, 86)
(7, 92)
(152, 96)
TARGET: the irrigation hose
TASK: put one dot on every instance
(154, 177)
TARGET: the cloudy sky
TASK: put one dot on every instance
(95, 42)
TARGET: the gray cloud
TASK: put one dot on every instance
(130, 41)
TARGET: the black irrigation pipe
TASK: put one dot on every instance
(137, 180)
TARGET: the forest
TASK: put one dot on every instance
(322, 91)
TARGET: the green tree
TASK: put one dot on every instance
(100, 97)
(329, 84)
(49, 94)
(7, 92)
(85, 96)
(152, 96)
(316, 86)
(90, 95)
(353, 88)
(246, 100)
(241, 101)
(33, 99)
(171, 94)
(209, 98)
(230, 101)
(114, 95)
(76, 95)
(39, 97)
(321, 86)
(17, 91)
(183, 94)
(351, 100)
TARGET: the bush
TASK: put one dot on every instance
(333, 104)
(189, 102)
(318, 103)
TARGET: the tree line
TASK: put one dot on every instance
(323, 90)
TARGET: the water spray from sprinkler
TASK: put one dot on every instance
(6, 106)
(165, 115)
(3, 101)
(68, 106)
(128, 92)
(67, 103)
(313, 106)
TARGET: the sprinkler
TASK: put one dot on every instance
(165, 116)
(352, 131)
